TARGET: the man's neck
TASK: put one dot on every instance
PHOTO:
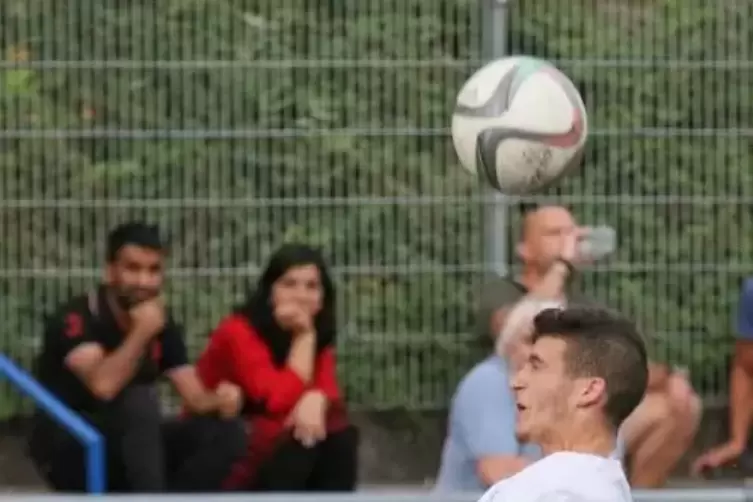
(118, 312)
(594, 440)
(530, 277)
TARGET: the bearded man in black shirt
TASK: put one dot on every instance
(102, 355)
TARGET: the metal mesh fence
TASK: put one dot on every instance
(240, 124)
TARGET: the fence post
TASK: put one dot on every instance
(494, 45)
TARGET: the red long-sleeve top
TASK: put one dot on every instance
(236, 353)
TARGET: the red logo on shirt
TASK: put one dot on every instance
(74, 325)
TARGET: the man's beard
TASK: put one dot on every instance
(129, 298)
(522, 437)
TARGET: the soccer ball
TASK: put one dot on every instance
(520, 124)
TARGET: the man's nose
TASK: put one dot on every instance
(518, 380)
(146, 279)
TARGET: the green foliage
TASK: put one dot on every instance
(240, 124)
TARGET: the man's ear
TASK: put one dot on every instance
(590, 391)
(521, 250)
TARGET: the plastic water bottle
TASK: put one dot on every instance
(597, 243)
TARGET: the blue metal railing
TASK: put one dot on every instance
(64, 416)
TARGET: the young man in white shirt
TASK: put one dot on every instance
(585, 373)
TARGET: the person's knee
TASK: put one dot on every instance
(346, 440)
(685, 404)
(235, 438)
(672, 414)
(653, 412)
(342, 448)
(658, 433)
(685, 401)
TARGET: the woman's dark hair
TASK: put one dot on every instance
(258, 306)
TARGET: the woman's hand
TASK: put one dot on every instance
(229, 398)
(308, 418)
(294, 318)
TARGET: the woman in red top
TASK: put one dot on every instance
(279, 348)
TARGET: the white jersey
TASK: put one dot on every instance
(564, 477)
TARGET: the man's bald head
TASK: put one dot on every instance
(542, 235)
(536, 220)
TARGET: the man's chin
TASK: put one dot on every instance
(522, 435)
(127, 302)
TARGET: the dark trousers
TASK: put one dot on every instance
(193, 454)
(330, 466)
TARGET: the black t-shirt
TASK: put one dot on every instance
(87, 319)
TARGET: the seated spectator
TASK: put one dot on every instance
(481, 446)
(102, 354)
(741, 391)
(279, 348)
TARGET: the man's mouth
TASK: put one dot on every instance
(520, 407)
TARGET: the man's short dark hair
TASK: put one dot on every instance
(603, 344)
(133, 233)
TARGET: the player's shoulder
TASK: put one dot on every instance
(592, 489)
(564, 477)
(582, 477)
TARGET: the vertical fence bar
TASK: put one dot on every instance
(494, 46)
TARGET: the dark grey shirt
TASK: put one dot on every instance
(505, 292)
